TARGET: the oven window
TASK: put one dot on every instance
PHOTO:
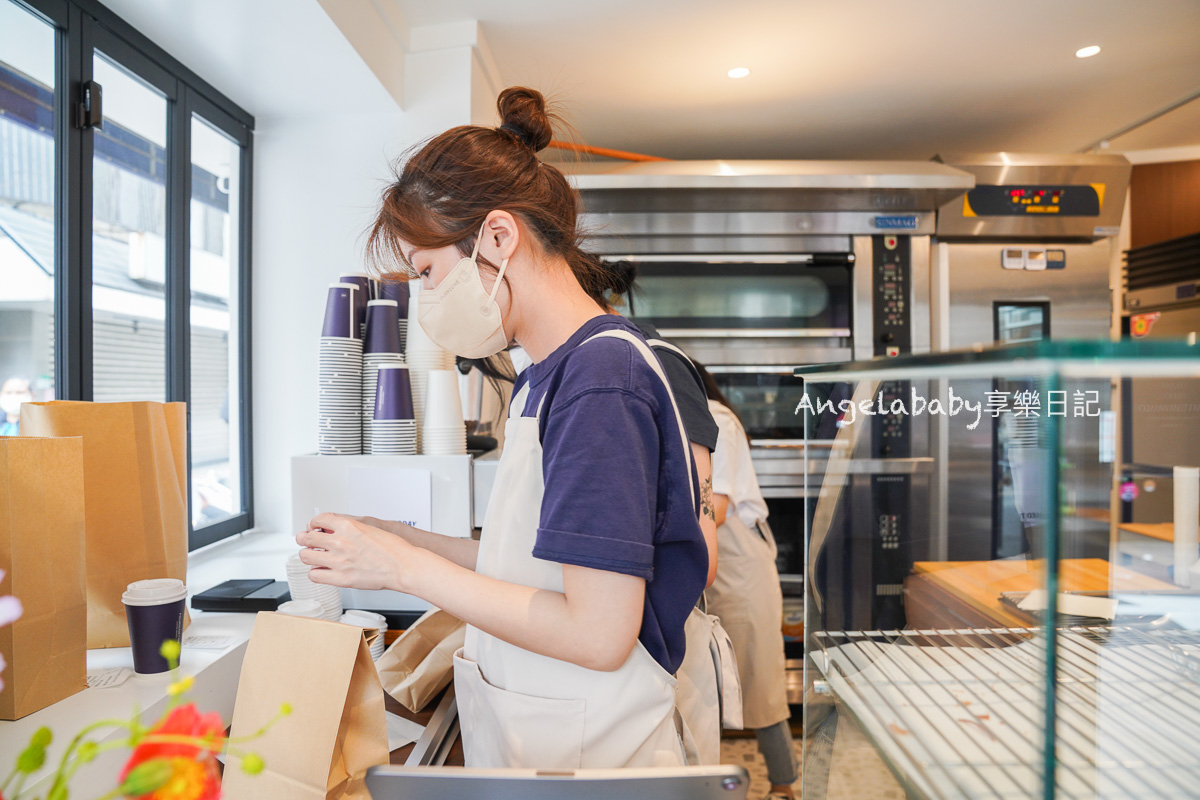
(742, 296)
(766, 402)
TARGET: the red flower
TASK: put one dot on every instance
(194, 774)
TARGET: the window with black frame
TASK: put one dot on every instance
(124, 231)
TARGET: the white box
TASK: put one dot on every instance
(323, 482)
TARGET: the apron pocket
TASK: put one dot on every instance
(508, 729)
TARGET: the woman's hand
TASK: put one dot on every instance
(350, 553)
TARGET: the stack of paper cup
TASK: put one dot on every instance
(443, 432)
(339, 389)
(394, 427)
(329, 597)
(371, 621)
(398, 291)
(422, 356)
(365, 295)
(302, 608)
(382, 346)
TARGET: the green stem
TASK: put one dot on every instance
(107, 723)
(20, 782)
(8, 780)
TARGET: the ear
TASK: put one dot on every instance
(501, 235)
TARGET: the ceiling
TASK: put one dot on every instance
(845, 78)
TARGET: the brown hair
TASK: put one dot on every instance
(446, 189)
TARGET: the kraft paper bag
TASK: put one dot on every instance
(135, 496)
(337, 728)
(42, 555)
(420, 663)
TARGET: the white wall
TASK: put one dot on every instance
(316, 183)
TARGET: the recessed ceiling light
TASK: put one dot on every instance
(1087, 52)
(738, 72)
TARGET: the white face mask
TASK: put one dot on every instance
(460, 315)
(10, 404)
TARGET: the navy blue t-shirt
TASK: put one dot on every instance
(616, 477)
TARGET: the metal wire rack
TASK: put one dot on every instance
(961, 713)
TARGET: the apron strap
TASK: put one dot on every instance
(668, 346)
(516, 406)
(653, 363)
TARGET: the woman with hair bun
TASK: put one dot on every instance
(591, 555)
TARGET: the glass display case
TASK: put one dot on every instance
(993, 607)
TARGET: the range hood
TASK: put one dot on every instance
(767, 185)
(758, 206)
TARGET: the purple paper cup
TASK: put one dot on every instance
(341, 311)
(393, 393)
(154, 613)
(383, 327)
(363, 282)
(398, 291)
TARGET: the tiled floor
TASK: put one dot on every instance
(744, 753)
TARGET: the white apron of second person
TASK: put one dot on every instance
(522, 709)
(746, 594)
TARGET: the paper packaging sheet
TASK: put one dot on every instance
(135, 498)
(41, 552)
(337, 728)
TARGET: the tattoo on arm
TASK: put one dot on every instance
(706, 501)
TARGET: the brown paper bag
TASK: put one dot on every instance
(42, 555)
(135, 492)
(337, 728)
(420, 663)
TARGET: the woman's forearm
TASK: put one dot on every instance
(460, 550)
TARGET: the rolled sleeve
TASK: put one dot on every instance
(600, 459)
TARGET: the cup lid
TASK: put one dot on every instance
(301, 608)
(154, 592)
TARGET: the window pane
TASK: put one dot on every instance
(215, 389)
(27, 199)
(129, 251)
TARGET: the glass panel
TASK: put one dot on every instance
(215, 388)
(129, 251)
(1039, 637)
(27, 201)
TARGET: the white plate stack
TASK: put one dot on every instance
(329, 597)
(339, 394)
(394, 430)
(371, 621)
(443, 432)
(422, 356)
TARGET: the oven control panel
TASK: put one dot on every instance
(891, 279)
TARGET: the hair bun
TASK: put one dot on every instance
(523, 113)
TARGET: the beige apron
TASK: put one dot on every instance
(747, 597)
(522, 709)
